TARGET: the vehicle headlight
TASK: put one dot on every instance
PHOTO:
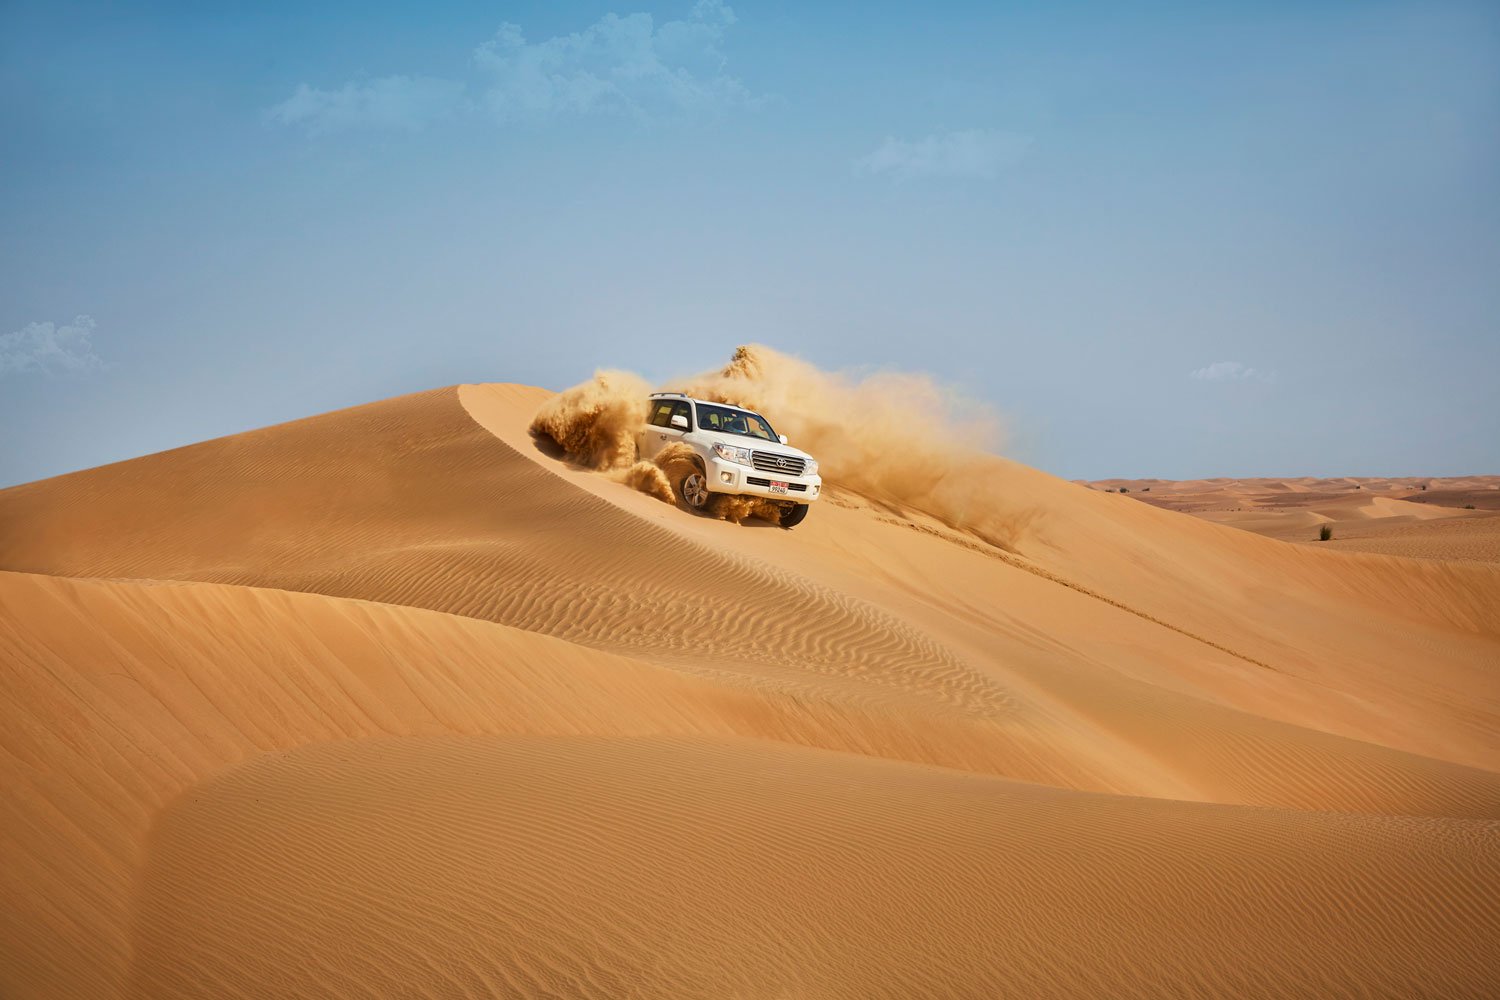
(812, 467)
(729, 453)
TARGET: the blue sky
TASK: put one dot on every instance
(1162, 239)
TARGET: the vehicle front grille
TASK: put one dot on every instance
(769, 461)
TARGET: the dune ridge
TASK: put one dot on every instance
(393, 701)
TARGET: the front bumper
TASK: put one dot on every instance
(741, 480)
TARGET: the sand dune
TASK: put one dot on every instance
(395, 701)
(1467, 539)
(784, 872)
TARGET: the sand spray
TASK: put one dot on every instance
(898, 439)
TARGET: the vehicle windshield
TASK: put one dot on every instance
(728, 420)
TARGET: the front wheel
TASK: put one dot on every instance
(694, 491)
(792, 515)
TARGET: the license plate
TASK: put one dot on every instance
(777, 487)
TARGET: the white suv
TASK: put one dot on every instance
(735, 453)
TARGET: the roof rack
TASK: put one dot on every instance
(682, 394)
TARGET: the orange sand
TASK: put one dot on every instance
(393, 702)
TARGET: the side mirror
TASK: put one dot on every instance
(678, 420)
(783, 438)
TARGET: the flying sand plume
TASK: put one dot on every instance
(902, 440)
(596, 421)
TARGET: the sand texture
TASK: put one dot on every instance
(398, 701)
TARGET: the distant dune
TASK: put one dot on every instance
(395, 701)
(1456, 518)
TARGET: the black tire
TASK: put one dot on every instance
(693, 491)
(792, 516)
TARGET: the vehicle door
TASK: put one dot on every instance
(669, 420)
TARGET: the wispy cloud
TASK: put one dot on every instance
(973, 153)
(1230, 371)
(623, 65)
(50, 349)
(619, 65)
(398, 102)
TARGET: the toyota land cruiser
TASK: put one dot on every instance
(735, 453)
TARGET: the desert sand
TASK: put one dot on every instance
(403, 700)
(1456, 518)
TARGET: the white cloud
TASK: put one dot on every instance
(626, 65)
(1230, 371)
(623, 65)
(975, 153)
(51, 349)
(400, 102)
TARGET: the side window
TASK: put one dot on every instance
(661, 413)
(683, 409)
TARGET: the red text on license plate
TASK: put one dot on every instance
(777, 487)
